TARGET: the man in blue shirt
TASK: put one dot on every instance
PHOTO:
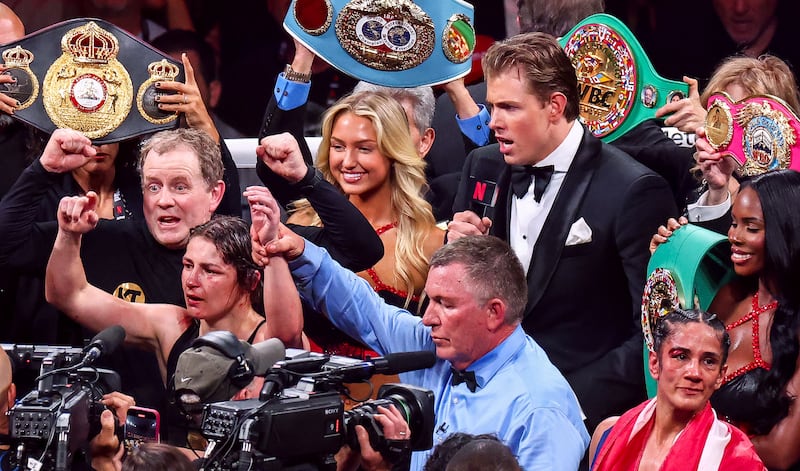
(477, 293)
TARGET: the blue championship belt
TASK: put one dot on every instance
(91, 76)
(395, 43)
(618, 87)
(687, 271)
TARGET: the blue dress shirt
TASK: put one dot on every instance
(521, 396)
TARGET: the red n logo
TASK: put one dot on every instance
(480, 191)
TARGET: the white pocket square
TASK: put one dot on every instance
(579, 233)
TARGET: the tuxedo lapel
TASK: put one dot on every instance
(550, 243)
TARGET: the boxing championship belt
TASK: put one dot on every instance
(395, 43)
(91, 76)
(687, 271)
(617, 84)
(759, 132)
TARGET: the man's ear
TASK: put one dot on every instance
(652, 364)
(495, 314)
(557, 103)
(426, 142)
(11, 396)
(217, 191)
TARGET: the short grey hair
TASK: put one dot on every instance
(555, 17)
(199, 142)
(422, 101)
(493, 271)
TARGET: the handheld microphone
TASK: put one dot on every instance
(391, 364)
(483, 184)
(104, 343)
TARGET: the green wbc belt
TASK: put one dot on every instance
(687, 271)
(617, 84)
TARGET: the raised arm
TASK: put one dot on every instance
(346, 234)
(67, 289)
(25, 244)
(186, 99)
(281, 301)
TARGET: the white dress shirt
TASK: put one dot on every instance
(528, 215)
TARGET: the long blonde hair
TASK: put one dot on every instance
(406, 177)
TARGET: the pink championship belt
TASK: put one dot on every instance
(759, 132)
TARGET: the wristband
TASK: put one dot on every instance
(296, 76)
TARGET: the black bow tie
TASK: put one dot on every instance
(521, 180)
(464, 377)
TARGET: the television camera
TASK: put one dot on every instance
(51, 426)
(299, 420)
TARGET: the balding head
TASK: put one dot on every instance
(11, 27)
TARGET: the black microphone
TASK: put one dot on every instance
(104, 343)
(265, 354)
(390, 364)
(287, 372)
(483, 185)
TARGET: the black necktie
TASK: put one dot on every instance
(464, 377)
(521, 180)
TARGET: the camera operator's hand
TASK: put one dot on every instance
(105, 447)
(397, 435)
(118, 403)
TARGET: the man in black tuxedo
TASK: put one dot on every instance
(578, 213)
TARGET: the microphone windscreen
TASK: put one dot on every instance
(407, 361)
(483, 184)
(265, 354)
(109, 339)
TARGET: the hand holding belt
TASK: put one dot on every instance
(521, 180)
(759, 132)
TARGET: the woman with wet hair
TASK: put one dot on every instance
(760, 309)
(688, 362)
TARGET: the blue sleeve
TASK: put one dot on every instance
(289, 94)
(476, 128)
(600, 444)
(354, 307)
(549, 442)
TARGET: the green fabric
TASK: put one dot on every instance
(699, 261)
(645, 75)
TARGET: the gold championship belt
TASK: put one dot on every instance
(617, 85)
(91, 71)
(759, 132)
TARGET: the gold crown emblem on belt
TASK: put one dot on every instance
(87, 88)
(90, 44)
(17, 57)
(163, 70)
